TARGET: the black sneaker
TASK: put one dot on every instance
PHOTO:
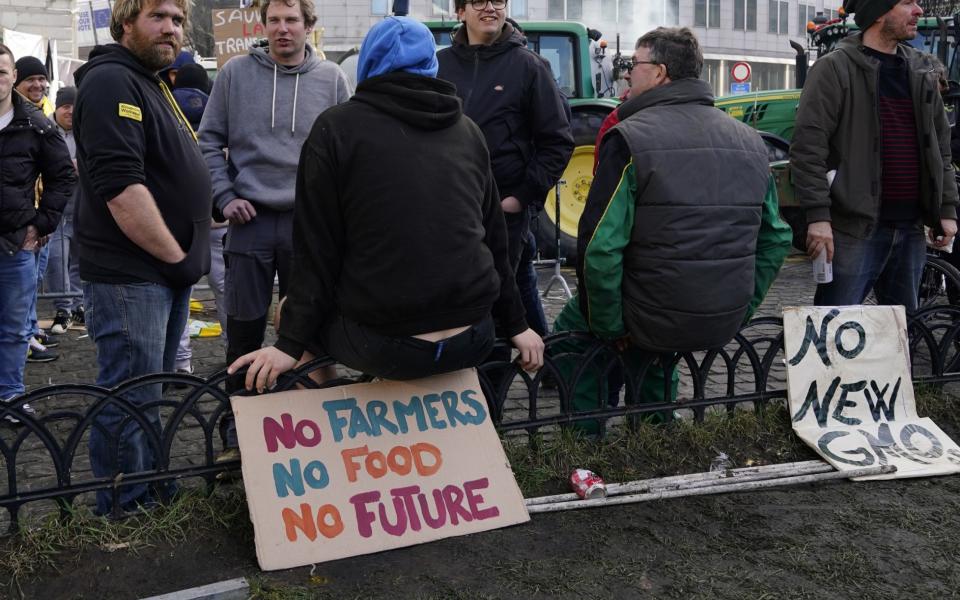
(41, 354)
(45, 340)
(61, 322)
(79, 318)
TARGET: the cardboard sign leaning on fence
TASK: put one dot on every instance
(368, 467)
(851, 395)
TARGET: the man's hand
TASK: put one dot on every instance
(239, 211)
(622, 343)
(949, 227)
(266, 364)
(820, 236)
(31, 243)
(511, 204)
(531, 349)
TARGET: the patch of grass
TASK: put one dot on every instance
(938, 404)
(45, 543)
(542, 464)
(261, 589)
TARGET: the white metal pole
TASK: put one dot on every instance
(717, 489)
(699, 479)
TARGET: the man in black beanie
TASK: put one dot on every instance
(871, 159)
(63, 271)
(32, 83)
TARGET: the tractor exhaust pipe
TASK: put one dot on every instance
(801, 63)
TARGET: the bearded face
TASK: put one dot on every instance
(156, 35)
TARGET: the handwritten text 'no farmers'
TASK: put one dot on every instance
(367, 467)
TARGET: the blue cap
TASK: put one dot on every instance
(397, 44)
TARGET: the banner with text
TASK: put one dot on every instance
(234, 31)
(368, 467)
(93, 23)
(850, 392)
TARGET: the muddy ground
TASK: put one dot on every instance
(871, 540)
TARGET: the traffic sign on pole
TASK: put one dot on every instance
(740, 72)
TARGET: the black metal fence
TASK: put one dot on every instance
(45, 457)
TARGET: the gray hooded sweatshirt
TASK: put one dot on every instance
(263, 112)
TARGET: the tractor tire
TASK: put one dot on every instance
(577, 178)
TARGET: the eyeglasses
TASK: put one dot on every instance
(634, 62)
(482, 4)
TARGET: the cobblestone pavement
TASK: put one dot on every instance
(77, 364)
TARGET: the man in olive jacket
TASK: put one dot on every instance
(871, 159)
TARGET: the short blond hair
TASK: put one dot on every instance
(128, 10)
(307, 10)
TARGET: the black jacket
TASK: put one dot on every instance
(129, 131)
(510, 93)
(397, 220)
(30, 147)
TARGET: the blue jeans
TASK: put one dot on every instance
(63, 273)
(527, 285)
(40, 267)
(18, 284)
(889, 262)
(136, 328)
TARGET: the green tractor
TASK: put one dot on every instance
(581, 68)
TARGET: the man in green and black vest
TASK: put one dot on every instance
(668, 261)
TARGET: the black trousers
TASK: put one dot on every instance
(400, 358)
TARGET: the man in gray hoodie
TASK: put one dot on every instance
(261, 108)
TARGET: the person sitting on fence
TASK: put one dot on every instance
(668, 263)
(400, 246)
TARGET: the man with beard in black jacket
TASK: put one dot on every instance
(143, 227)
(510, 92)
(400, 261)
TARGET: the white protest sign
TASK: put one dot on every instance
(368, 467)
(850, 392)
(25, 44)
(93, 23)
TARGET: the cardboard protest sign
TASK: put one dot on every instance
(369, 467)
(234, 31)
(851, 395)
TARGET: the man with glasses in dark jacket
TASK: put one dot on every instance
(510, 92)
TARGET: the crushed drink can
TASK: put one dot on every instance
(588, 484)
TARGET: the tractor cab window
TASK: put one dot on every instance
(442, 38)
(560, 52)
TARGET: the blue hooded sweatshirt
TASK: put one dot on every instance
(397, 44)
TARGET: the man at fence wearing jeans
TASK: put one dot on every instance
(143, 226)
(870, 159)
(63, 274)
(261, 109)
(29, 148)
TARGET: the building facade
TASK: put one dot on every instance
(53, 19)
(755, 31)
